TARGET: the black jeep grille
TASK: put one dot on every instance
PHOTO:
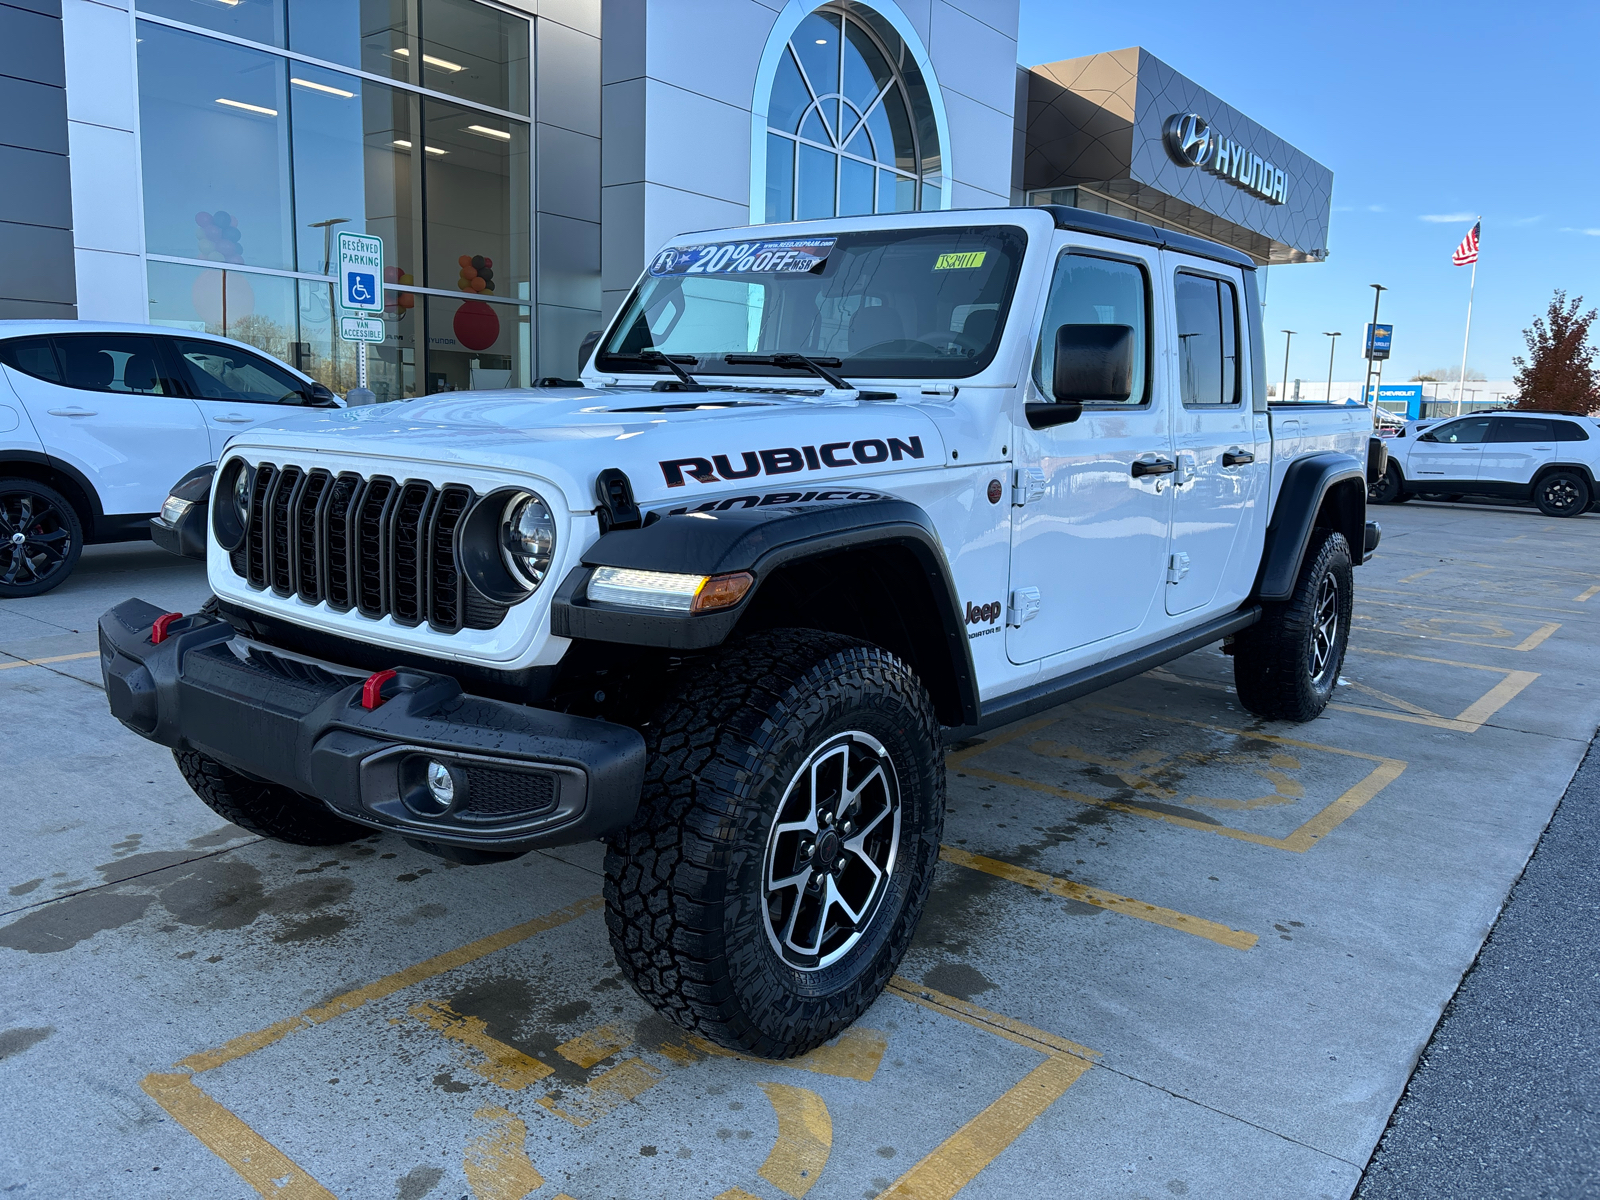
(380, 547)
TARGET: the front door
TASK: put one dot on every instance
(105, 404)
(1448, 455)
(1091, 499)
(233, 388)
(1216, 489)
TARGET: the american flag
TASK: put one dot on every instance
(1467, 253)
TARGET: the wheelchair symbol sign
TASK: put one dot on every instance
(360, 272)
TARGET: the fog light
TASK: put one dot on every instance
(441, 785)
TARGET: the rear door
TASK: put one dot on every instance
(234, 388)
(1216, 489)
(1516, 448)
(1092, 499)
(106, 404)
(1449, 454)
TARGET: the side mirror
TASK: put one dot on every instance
(322, 397)
(1093, 363)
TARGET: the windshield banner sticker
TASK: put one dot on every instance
(782, 257)
(960, 262)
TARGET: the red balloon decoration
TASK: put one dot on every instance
(476, 327)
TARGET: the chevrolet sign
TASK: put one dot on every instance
(1191, 142)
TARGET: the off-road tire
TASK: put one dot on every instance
(1563, 494)
(52, 538)
(686, 891)
(1390, 489)
(1274, 661)
(268, 809)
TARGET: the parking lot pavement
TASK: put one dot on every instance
(1172, 950)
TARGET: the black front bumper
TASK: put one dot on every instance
(524, 777)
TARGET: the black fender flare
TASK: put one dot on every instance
(761, 541)
(1308, 485)
(96, 516)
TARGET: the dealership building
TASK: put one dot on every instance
(190, 162)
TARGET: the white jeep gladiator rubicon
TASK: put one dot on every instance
(830, 496)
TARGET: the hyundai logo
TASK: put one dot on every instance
(1191, 142)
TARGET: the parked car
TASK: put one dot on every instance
(1548, 458)
(97, 421)
(723, 606)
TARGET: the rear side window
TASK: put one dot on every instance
(1522, 429)
(1093, 291)
(1570, 431)
(32, 356)
(215, 371)
(112, 362)
(1208, 340)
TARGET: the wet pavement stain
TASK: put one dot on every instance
(15, 1041)
(959, 980)
(418, 1182)
(59, 927)
(22, 889)
(218, 837)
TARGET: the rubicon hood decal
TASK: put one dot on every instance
(785, 460)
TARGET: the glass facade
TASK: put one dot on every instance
(254, 161)
(850, 129)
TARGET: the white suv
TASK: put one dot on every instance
(1551, 459)
(98, 420)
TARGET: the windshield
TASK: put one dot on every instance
(918, 304)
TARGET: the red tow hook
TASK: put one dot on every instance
(158, 631)
(372, 689)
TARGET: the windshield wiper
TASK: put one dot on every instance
(670, 362)
(817, 366)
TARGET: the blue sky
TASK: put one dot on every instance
(1429, 114)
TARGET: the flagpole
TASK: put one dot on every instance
(1461, 380)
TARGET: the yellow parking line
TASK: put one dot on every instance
(1237, 939)
(503, 1065)
(249, 1043)
(259, 1163)
(957, 1161)
(855, 1055)
(40, 662)
(805, 1139)
(1587, 593)
(587, 1049)
(496, 1163)
(1415, 575)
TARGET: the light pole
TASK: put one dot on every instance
(1284, 387)
(333, 302)
(1367, 396)
(1332, 342)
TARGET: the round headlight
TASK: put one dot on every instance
(528, 538)
(231, 514)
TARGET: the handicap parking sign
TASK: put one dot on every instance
(360, 269)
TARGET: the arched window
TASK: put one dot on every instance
(850, 129)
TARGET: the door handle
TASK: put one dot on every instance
(1235, 457)
(1154, 466)
(233, 419)
(74, 411)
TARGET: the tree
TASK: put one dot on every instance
(1559, 373)
(1447, 375)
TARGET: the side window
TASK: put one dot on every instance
(1460, 433)
(128, 363)
(1208, 340)
(1570, 431)
(215, 371)
(1094, 291)
(32, 356)
(1521, 429)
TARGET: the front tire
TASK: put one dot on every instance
(1389, 489)
(1562, 494)
(268, 809)
(785, 842)
(1286, 665)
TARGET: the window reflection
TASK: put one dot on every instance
(846, 93)
(214, 127)
(1094, 291)
(476, 191)
(474, 345)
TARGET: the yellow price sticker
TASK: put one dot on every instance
(960, 262)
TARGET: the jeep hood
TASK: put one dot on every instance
(668, 443)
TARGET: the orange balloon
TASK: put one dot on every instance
(478, 285)
(464, 261)
(469, 273)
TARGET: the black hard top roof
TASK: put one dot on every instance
(1087, 221)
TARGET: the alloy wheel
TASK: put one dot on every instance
(1561, 494)
(831, 851)
(35, 538)
(1325, 628)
